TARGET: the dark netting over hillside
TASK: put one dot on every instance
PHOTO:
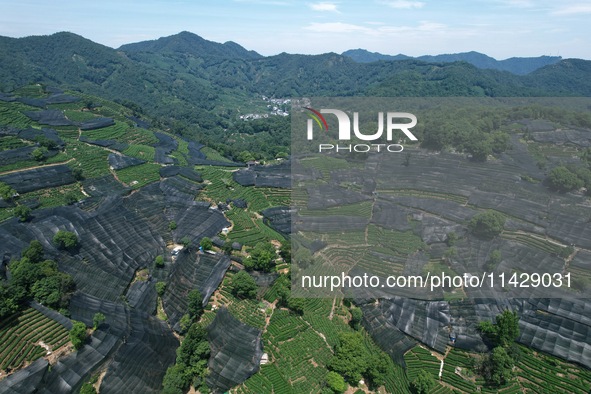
(419, 198)
(555, 326)
(426, 321)
(320, 224)
(114, 243)
(53, 315)
(55, 98)
(142, 295)
(236, 351)
(265, 176)
(195, 152)
(118, 236)
(32, 135)
(195, 220)
(141, 362)
(192, 270)
(264, 279)
(96, 123)
(177, 187)
(68, 374)
(245, 177)
(39, 178)
(166, 142)
(190, 174)
(559, 327)
(207, 162)
(325, 196)
(169, 171)
(239, 203)
(18, 154)
(6, 97)
(112, 144)
(139, 122)
(577, 137)
(279, 218)
(33, 102)
(185, 172)
(161, 157)
(61, 98)
(196, 157)
(119, 162)
(388, 337)
(105, 185)
(27, 380)
(146, 345)
(51, 117)
(391, 216)
(83, 307)
(165, 145)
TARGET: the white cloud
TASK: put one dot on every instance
(404, 4)
(336, 27)
(519, 3)
(378, 30)
(573, 9)
(324, 7)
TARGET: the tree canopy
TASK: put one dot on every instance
(98, 319)
(33, 277)
(504, 331)
(243, 285)
(564, 180)
(206, 243)
(195, 305)
(336, 382)
(23, 212)
(6, 192)
(350, 357)
(65, 240)
(423, 383)
(191, 363)
(487, 224)
(78, 334)
(262, 257)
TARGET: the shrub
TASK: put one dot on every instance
(6, 192)
(195, 307)
(564, 180)
(159, 262)
(97, 320)
(78, 334)
(206, 243)
(160, 288)
(243, 285)
(487, 224)
(336, 382)
(23, 213)
(423, 383)
(65, 239)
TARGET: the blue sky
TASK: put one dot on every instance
(499, 28)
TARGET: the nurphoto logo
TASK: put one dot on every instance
(344, 130)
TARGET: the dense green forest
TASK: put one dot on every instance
(199, 89)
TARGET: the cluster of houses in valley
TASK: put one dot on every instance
(276, 107)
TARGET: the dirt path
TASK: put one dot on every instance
(334, 301)
(35, 167)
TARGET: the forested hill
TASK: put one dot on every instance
(190, 43)
(515, 65)
(200, 87)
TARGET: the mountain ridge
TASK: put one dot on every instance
(191, 43)
(203, 87)
(514, 65)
